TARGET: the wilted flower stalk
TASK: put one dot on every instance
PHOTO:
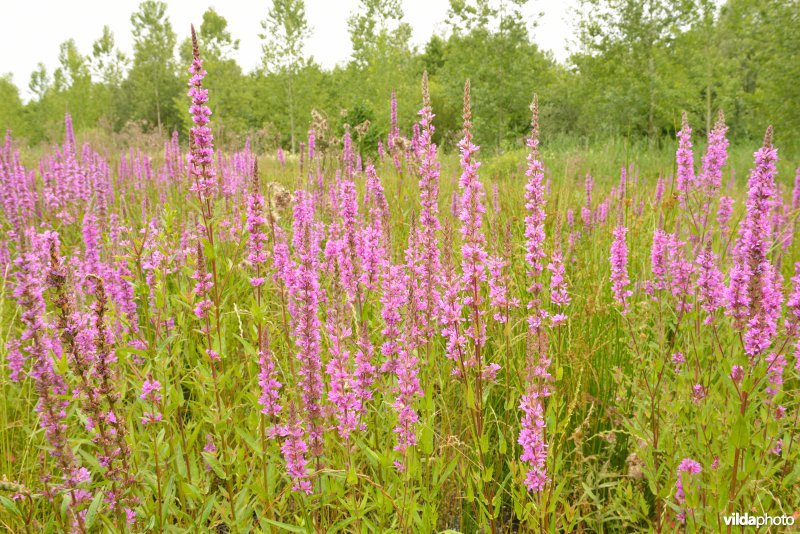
(49, 385)
(116, 463)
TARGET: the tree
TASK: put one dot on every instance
(108, 66)
(383, 61)
(40, 81)
(108, 63)
(377, 24)
(285, 32)
(469, 15)
(761, 43)
(627, 57)
(152, 84)
(504, 75)
(72, 89)
(11, 110)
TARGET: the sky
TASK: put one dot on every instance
(32, 30)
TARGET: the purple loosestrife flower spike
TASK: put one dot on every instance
(754, 294)
(200, 159)
(658, 261)
(534, 221)
(586, 211)
(347, 258)
(294, 450)
(793, 304)
(256, 235)
(49, 385)
(393, 300)
(559, 295)
(91, 241)
(450, 308)
(534, 448)
(680, 271)
(406, 369)
(151, 393)
(531, 435)
(796, 191)
(268, 379)
(659, 190)
(305, 295)
(281, 259)
(686, 470)
(776, 363)
(715, 158)
(499, 283)
(364, 373)
(429, 224)
(685, 161)
(619, 267)
(724, 211)
(473, 241)
(340, 394)
(407, 389)
(532, 426)
(113, 436)
(203, 284)
(710, 283)
(394, 141)
(372, 240)
(312, 144)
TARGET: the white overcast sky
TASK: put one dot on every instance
(31, 30)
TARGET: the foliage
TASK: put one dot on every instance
(399, 343)
(634, 68)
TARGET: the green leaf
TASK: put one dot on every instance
(352, 476)
(251, 441)
(488, 473)
(426, 440)
(10, 505)
(215, 465)
(286, 526)
(470, 496)
(91, 513)
(470, 397)
(207, 510)
(740, 433)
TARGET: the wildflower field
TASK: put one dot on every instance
(339, 341)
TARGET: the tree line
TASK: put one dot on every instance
(636, 65)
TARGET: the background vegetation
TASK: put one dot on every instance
(635, 66)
